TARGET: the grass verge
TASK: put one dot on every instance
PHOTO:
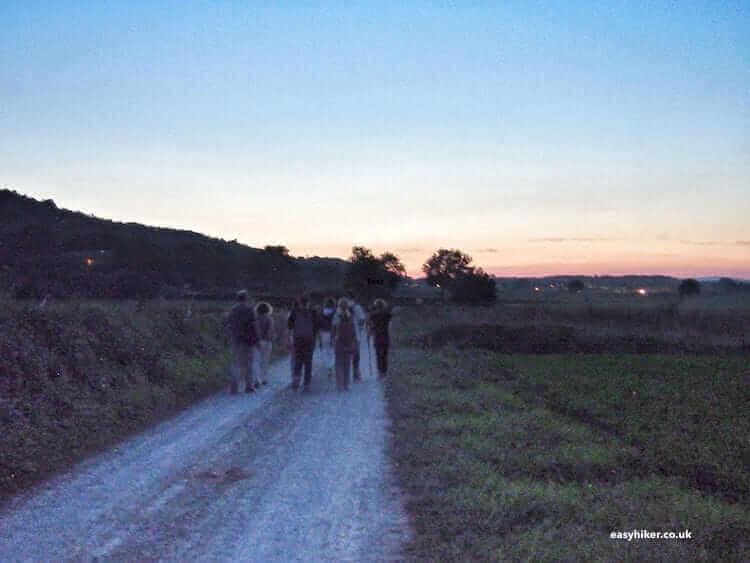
(512, 457)
(77, 376)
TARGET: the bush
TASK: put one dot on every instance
(474, 287)
(689, 288)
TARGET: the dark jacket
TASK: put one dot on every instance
(345, 335)
(241, 324)
(379, 321)
(304, 324)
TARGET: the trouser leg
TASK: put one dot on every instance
(235, 370)
(355, 364)
(240, 360)
(308, 365)
(265, 359)
(381, 352)
(343, 364)
(250, 370)
(299, 360)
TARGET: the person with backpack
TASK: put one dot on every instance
(266, 334)
(325, 322)
(380, 320)
(360, 324)
(243, 337)
(303, 325)
(345, 343)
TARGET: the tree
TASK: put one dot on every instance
(575, 286)
(279, 251)
(369, 276)
(452, 272)
(689, 288)
(444, 266)
(474, 286)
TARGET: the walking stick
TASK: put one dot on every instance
(369, 354)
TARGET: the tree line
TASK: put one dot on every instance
(449, 270)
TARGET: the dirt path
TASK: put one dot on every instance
(274, 476)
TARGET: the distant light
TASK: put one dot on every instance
(552, 285)
(642, 291)
(536, 289)
(89, 261)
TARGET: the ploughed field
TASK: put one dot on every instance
(535, 430)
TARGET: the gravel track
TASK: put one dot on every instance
(271, 476)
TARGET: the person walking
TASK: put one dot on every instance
(325, 323)
(243, 337)
(266, 335)
(345, 343)
(380, 320)
(360, 324)
(303, 326)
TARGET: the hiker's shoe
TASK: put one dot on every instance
(265, 382)
(249, 389)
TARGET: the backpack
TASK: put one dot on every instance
(303, 325)
(326, 319)
(264, 327)
(242, 325)
(346, 335)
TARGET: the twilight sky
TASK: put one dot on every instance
(539, 137)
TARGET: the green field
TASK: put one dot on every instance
(519, 456)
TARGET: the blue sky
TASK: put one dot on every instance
(539, 137)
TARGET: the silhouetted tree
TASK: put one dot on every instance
(575, 286)
(279, 251)
(689, 288)
(474, 286)
(369, 276)
(452, 272)
(444, 266)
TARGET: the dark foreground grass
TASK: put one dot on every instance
(541, 458)
(77, 377)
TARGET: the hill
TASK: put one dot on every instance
(48, 250)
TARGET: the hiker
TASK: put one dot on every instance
(241, 325)
(380, 319)
(290, 341)
(303, 326)
(325, 320)
(345, 343)
(360, 325)
(266, 335)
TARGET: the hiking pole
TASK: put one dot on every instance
(369, 355)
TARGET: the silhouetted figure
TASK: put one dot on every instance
(266, 335)
(345, 343)
(303, 325)
(360, 324)
(241, 324)
(325, 323)
(380, 319)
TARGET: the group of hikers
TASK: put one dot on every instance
(337, 329)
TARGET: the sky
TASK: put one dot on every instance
(539, 137)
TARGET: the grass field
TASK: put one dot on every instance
(518, 456)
